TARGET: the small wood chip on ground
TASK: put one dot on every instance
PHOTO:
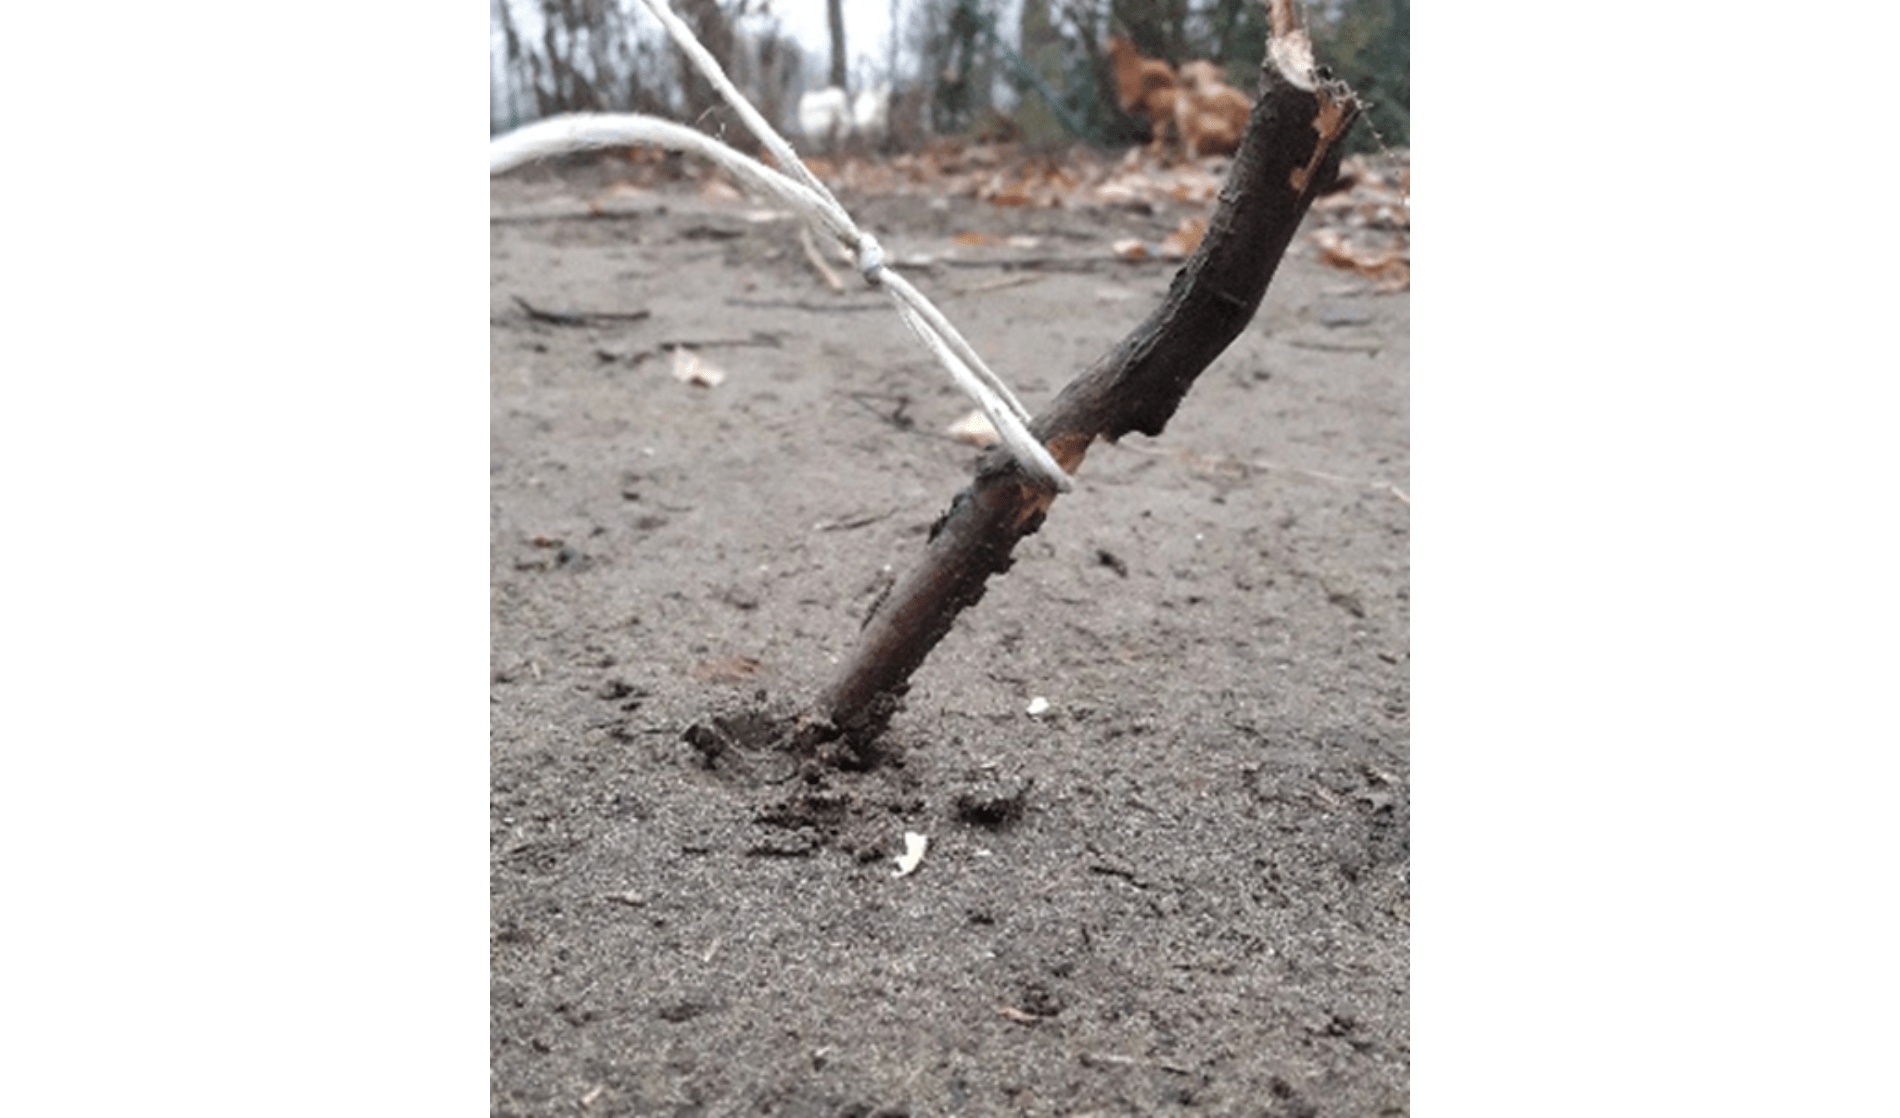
(691, 368)
(997, 284)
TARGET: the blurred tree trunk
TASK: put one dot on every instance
(834, 11)
(890, 70)
(713, 27)
(1155, 26)
(512, 75)
(957, 61)
(1042, 49)
(1236, 31)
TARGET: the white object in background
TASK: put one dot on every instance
(871, 113)
(824, 115)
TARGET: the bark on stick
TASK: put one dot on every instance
(1291, 152)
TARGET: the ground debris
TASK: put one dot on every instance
(1367, 227)
(913, 856)
(1362, 223)
(691, 368)
(748, 745)
(1020, 1016)
(727, 669)
(993, 805)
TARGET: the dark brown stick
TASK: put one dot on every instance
(577, 318)
(1290, 153)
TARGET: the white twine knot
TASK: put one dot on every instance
(870, 259)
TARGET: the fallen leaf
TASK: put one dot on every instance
(1185, 238)
(1393, 266)
(1130, 249)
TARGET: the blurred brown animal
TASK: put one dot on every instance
(1145, 86)
(1196, 107)
(1210, 115)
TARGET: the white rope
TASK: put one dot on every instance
(558, 135)
(801, 191)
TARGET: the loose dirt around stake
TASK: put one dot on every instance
(1183, 885)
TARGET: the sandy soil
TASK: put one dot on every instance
(1186, 886)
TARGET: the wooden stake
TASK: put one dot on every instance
(1291, 152)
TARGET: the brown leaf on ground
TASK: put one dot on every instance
(1003, 191)
(1185, 239)
(1392, 266)
(1363, 224)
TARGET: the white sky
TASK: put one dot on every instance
(867, 30)
(867, 27)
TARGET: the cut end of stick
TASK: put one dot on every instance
(1288, 46)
